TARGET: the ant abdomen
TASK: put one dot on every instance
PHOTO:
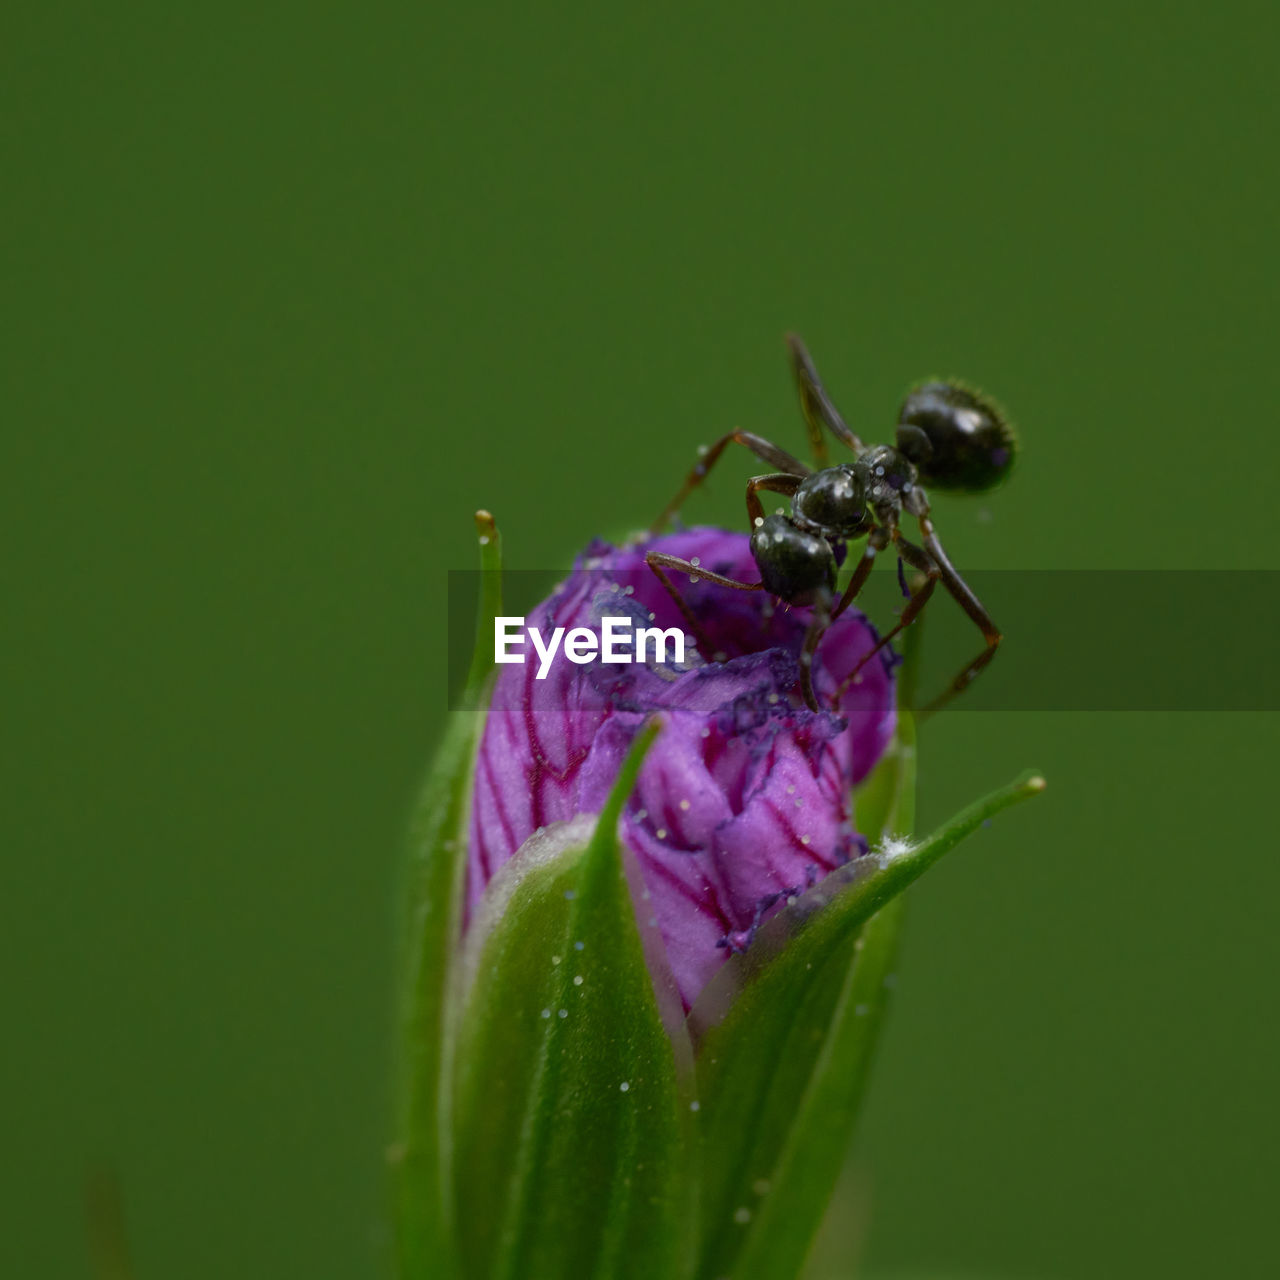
(957, 437)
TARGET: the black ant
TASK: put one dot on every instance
(948, 436)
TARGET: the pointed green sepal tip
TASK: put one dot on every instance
(488, 608)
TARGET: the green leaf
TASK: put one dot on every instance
(433, 893)
(567, 1128)
(784, 1034)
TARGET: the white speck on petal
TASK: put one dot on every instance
(624, 1086)
(577, 979)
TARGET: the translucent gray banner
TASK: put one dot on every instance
(1074, 640)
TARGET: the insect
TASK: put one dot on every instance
(948, 436)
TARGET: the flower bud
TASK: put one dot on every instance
(745, 800)
(648, 945)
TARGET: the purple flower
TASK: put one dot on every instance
(745, 798)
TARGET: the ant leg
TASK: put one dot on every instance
(758, 445)
(660, 562)
(877, 540)
(778, 482)
(818, 624)
(970, 603)
(917, 559)
(816, 405)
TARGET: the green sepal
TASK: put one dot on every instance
(567, 1133)
(784, 1032)
(433, 895)
(802, 1094)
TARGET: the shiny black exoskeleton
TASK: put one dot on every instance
(947, 435)
(795, 564)
(798, 554)
(956, 436)
(833, 501)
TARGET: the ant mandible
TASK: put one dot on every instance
(948, 435)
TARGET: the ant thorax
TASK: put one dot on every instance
(832, 502)
(892, 482)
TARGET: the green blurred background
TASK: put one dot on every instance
(291, 289)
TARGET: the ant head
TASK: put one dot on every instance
(832, 502)
(957, 437)
(795, 565)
